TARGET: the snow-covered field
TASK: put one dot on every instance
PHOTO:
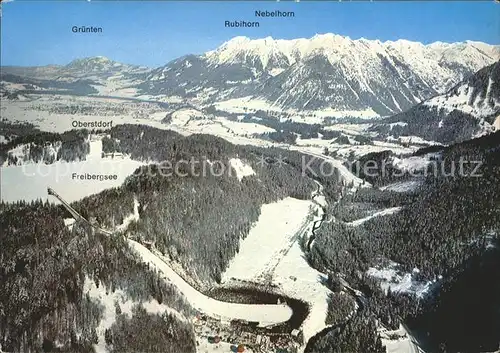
(252, 104)
(276, 229)
(299, 280)
(30, 181)
(265, 314)
(182, 117)
(398, 341)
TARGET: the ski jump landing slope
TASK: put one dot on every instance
(265, 314)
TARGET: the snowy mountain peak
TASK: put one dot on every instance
(91, 59)
(236, 41)
(336, 47)
(93, 64)
(468, 110)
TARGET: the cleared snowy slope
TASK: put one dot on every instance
(277, 227)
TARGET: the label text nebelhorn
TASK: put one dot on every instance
(275, 13)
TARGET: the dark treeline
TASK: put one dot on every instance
(150, 333)
(358, 335)
(43, 269)
(341, 307)
(10, 130)
(40, 145)
(463, 316)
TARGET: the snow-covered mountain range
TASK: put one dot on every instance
(469, 109)
(335, 75)
(324, 72)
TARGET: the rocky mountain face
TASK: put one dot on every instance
(324, 72)
(469, 109)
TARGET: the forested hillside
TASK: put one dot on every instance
(446, 228)
(466, 110)
(199, 218)
(26, 144)
(44, 266)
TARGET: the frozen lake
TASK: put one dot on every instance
(30, 181)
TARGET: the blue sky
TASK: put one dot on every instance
(153, 33)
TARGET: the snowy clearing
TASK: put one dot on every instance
(385, 212)
(402, 186)
(275, 239)
(397, 281)
(411, 164)
(241, 168)
(134, 216)
(299, 280)
(108, 299)
(397, 341)
(183, 116)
